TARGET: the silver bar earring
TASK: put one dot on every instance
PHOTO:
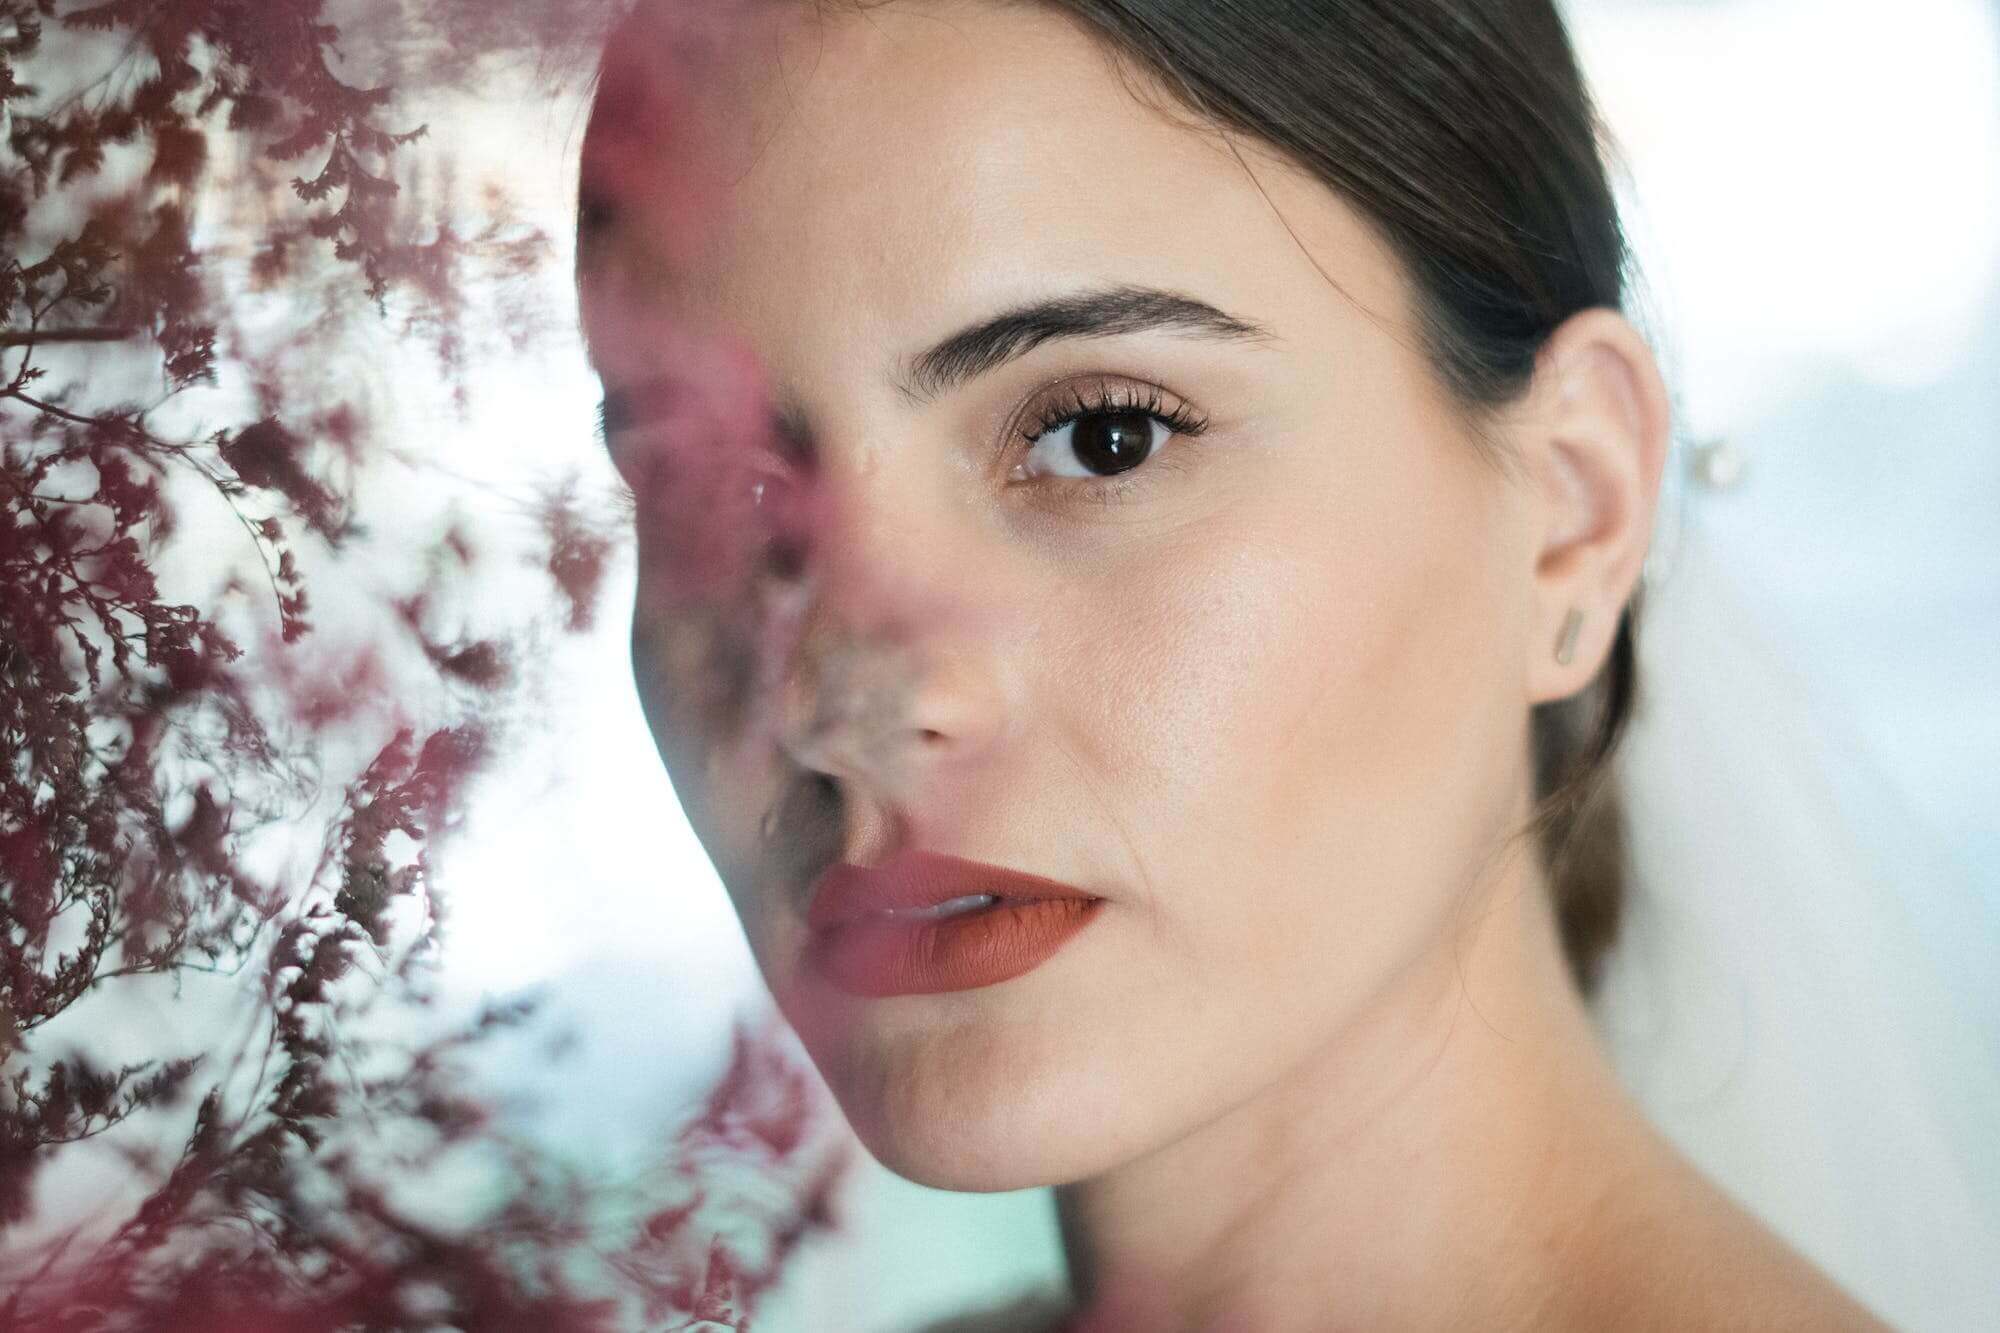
(1566, 648)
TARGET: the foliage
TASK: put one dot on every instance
(163, 776)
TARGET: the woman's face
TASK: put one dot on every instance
(1262, 691)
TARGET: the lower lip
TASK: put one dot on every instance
(874, 959)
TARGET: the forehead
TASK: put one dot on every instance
(872, 177)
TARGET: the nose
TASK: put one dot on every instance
(892, 691)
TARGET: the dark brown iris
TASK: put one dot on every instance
(1112, 442)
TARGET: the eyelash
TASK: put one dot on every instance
(1104, 397)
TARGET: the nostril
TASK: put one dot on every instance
(785, 559)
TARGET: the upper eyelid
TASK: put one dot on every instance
(1077, 396)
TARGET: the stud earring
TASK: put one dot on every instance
(1566, 647)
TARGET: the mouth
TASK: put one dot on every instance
(972, 902)
(924, 923)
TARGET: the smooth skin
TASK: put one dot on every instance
(1318, 1064)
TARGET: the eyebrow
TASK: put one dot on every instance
(623, 409)
(1103, 312)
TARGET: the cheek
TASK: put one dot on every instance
(1305, 710)
(692, 670)
(694, 673)
(1396, 695)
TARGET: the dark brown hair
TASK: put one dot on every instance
(1463, 131)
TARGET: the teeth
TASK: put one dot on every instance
(956, 907)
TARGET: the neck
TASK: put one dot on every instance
(1440, 1160)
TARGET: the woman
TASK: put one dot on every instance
(1140, 507)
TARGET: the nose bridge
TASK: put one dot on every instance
(889, 676)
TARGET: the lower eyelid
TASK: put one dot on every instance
(1121, 486)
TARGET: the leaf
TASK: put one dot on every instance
(82, 160)
(268, 455)
(179, 154)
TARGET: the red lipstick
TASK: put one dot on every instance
(922, 923)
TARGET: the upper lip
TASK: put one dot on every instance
(912, 879)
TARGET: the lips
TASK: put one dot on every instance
(925, 923)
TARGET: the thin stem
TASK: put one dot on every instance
(101, 334)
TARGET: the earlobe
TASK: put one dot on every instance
(1599, 438)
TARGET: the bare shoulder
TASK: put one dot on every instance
(1692, 1257)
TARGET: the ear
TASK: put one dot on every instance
(1595, 443)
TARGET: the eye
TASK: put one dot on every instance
(1096, 444)
(1102, 430)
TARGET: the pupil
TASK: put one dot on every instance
(1108, 442)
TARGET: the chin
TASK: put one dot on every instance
(965, 1100)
